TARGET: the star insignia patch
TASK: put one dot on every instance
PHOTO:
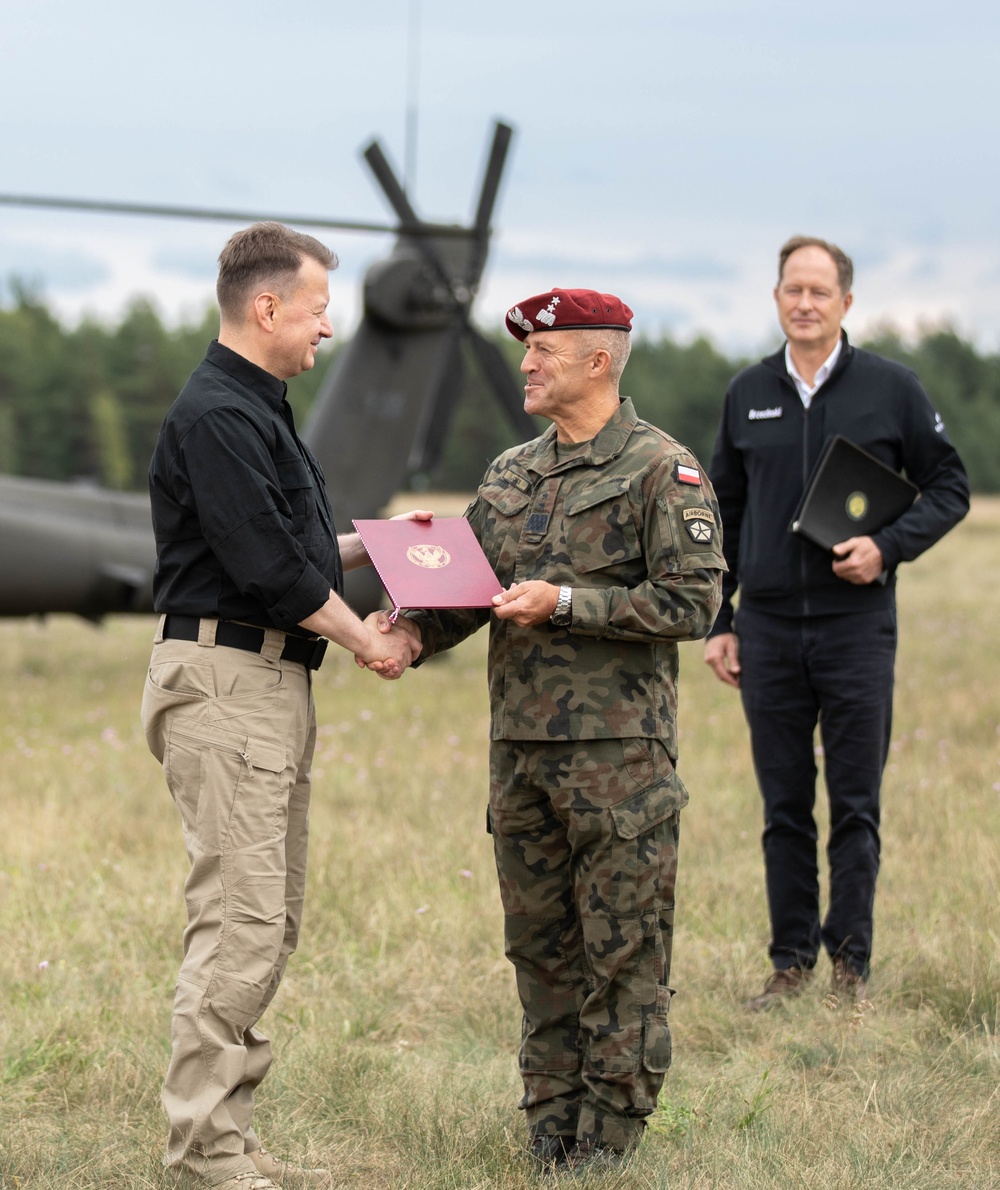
(700, 531)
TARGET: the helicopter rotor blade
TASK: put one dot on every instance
(101, 206)
(491, 178)
(391, 187)
(497, 373)
(487, 200)
(410, 220)
(428, 444)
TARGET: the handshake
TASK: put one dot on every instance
(394, 646)
(391, 647)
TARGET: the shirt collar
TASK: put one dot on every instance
(606, 443)
(806, 391)
(255, 378)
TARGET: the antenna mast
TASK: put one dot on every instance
(412, 89)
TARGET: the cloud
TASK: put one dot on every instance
(186, 261)
(70, 270)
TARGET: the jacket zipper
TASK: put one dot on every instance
(805, 476)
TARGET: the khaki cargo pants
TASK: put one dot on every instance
(235, 733)
(585, 836)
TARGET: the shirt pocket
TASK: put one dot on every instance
(507, 496)
(600, 528)
(296, 485)
(505, 500)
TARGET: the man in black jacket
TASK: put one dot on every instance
(814, 639)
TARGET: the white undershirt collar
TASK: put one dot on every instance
(806, 391)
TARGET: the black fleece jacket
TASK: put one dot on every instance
(768, 444)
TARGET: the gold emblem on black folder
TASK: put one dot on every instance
(850, 489)
(430, 557)
(856, 506)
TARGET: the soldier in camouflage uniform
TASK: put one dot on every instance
(606, 533)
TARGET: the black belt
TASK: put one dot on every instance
(242, 636)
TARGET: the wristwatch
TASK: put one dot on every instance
(562, 617)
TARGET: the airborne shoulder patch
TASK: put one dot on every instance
(700, 523)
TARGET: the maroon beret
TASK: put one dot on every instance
(568, 310)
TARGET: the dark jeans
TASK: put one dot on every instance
(837, 671)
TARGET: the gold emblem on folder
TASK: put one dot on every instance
(430, 557)
(857, 505)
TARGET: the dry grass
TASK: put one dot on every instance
(397, 1025)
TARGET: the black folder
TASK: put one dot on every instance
(850, 494)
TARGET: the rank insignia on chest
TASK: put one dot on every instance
(537, 522)
(699, 523)
(690, 475)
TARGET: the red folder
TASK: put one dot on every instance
(437, 563)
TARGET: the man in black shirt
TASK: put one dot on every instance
(249, 582)
(814, 636)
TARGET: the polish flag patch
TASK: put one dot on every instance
(688, 475)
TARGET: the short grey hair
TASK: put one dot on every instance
(617, 343)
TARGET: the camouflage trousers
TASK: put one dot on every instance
(585, 835)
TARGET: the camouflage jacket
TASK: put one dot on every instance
(630, 522)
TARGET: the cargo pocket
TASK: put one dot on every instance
(644, 834)
(238, 1000)
(228, 787)
(657, 1048)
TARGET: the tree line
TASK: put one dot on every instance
(87, 402)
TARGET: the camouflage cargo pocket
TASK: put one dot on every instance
(644, 848)
(657, 1048)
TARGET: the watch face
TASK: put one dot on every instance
(562, 617)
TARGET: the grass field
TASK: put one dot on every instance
(397, 1025)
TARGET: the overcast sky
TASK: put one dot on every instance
(662, 151)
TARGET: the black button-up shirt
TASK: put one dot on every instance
(242, 522)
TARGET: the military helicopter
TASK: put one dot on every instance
(84, 550)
